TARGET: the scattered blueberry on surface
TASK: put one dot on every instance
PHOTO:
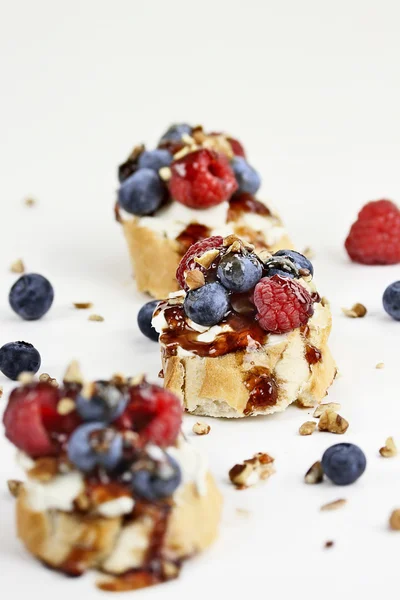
(279, 265)
(106, 403)
(144, 318)
(158, 483)
(207, 305)
(391, 300)
(92, 445)
(344, 463)
(239, 273)
(31, 296)
(142, 193)
(247, 178)
(175, 132)
(299, 260)
(17, 358)
(155, 159)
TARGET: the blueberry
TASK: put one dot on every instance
(106, 403)
(279, 265)
(207, 305)
(158, 482)
(239, 273)
(92, 445)
(155, 159)
(144, 318)
(17, 358)
(175, 132)
(31, 296)
(142, 193)
(247, 178)
(299, 260)
(344, 463)
(391, 300)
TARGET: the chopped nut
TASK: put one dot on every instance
(137, 379)
(331, 421)
(83, 305)
(325, 302)
(314, 474)
(25, 377)
(118, 379)
(136, 152)
(250, 471)
(206, 259)
(45, 469)
(65, 406)
(329, 544)
(194, 279)
(308, 252)
(201, 428)
(98, 318)
(321, 408)
(14, 487)
(389, 449)
(334, 505)
(380, 365)
(73, 373)
(45, 377)
(358, 310)
(230, 239)
(165, 173)
(17, 266)
(394, 520)
(30, 201)
(264, 254)
(307, 428)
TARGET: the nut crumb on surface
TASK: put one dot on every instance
(321, 408)
(334, 505)
(251, 471)
(394, 521)
(201, 428)
(17, 266)
(98, 318)
(380, 365)
(331, 421)
(358, 310)
(243, 512)
(315, 473)
(1, 391)
(307, 428)
(14, 486)
(83, 305)
(329, 544)
(30, 201)
(389, 449)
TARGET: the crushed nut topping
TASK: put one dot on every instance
(380, 365)
(17, 266)
(331, 421)
(83, 305)
(25, 377)
(30, 201)
(315, 473)
(307, 428)
(394, 520)
(201, 428)
(98, 318)
(321, 408)
(325, 302)
(45, 377)
(14, 486)
(206, 259)
(357, 311)
(389, 449)
(65, 406)
(165, 173)
(251, 471)
(45, 469)
(73, 373)
(334, 505)
(194, 279)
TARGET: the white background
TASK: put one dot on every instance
(313, 91)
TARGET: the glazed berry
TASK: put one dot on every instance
(239, 273)
(391, 300)
(202, 179)
(31, 296)
(279, 265)
(144, 318)
(154, 413)
(207, 305)
(283, 304)
(374, 239)
(17, 358)
(344, 463)
(188, 262)
(247, 178)
(93, 445)
(299, 260)
(106, 403)
(159, 480)
(154, 159)
(237, 147)
(175, 132)
(142, 193)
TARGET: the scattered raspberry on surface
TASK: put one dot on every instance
(374, 239)
(202, 179)
(282, 304)
(195, 251)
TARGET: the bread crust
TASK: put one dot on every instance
(111, 544)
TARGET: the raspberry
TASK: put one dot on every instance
(237, 147)
(196, 250)
(202, 179)
(282, 304)
(31, 419)
(154, 413)
(374, 239)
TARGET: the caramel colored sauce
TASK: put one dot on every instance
(133, 580)
(263, 390)
(245, 203)
(77, 562)
(192, 234)
(313, 355)
(99, 492)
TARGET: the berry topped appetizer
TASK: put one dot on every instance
(110, 482)
(192, 186)
(248, 333)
